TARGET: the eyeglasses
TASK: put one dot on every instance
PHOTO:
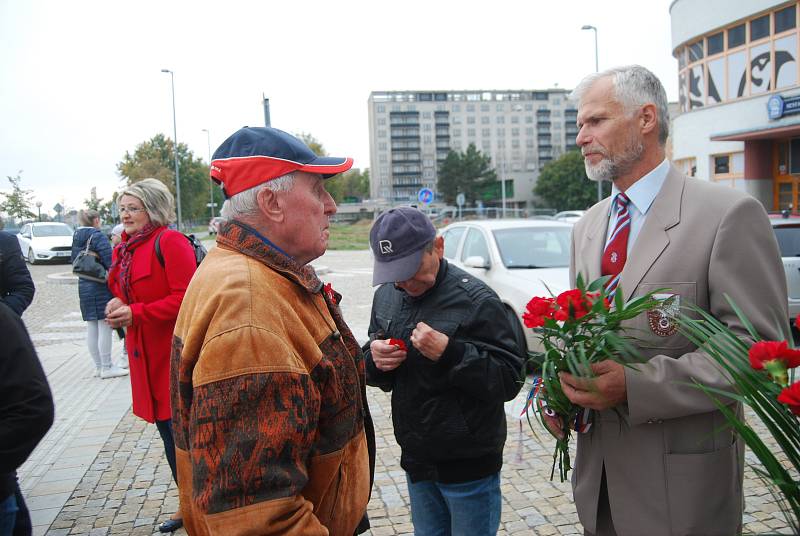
(131, 210)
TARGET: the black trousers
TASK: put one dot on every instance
(22, 525)
(165, 430)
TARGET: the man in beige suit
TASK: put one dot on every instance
(658, 459)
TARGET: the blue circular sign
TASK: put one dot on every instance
(775, 107)
(425, 196)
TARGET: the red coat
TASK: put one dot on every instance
(157, 294)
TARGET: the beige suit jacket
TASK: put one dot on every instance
(669, 468)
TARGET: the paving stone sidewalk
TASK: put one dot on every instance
(128, 488)
(100, 470)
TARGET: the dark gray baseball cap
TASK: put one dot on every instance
(398, 239)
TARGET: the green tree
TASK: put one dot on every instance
(18, 202)
(154, 158)
(350, 187)
(563, 184)
(313, 143)
(96, 203)
(467, 172)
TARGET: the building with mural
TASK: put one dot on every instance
(739, 93)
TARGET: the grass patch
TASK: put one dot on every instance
(350, 235)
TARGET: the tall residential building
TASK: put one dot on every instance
(739, 88)
(411, 132)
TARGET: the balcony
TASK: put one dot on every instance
(404, 133)
(406, 157)
(404, 121)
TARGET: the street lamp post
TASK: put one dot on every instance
(597, 70)
(175, 140)
(210, 182)
(39, 208)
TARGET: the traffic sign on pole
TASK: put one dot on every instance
(425, 196)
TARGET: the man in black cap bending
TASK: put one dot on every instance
(443, 343)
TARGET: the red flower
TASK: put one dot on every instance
(330, 293)
(572, 304)
(537, 311)
(763, 352)
(791, 397)
(400, 343)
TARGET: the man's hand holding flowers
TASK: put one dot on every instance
(604, 391)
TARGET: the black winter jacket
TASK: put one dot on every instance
(26, 404)
(16, 285)
(448, 415)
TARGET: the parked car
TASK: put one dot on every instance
(518, 259)
(569, 216)
(787, 232)
(45, 241)
(213, 225)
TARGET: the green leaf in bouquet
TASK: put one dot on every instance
(756, 390)
(579, 282)
(619, 299)
(743, 319)
(598, 284)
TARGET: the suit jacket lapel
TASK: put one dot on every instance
(592, 251)
(664, 214)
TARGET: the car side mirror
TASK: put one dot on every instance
(476, 261)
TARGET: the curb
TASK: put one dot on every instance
(321, 269)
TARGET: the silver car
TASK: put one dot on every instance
(518, 259)
(787, 232)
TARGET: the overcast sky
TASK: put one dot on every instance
(80, 81)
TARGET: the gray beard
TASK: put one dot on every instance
(609, 169)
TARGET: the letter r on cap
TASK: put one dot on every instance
(386, 247)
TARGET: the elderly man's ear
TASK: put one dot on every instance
(438, 246)
(270, 205)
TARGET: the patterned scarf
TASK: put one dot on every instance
(125, 257)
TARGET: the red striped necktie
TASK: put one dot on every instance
(616, 252)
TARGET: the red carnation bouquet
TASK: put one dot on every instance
(577, 328)
(762, 374)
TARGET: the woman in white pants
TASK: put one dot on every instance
(94, 295)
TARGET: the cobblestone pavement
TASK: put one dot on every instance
(102, 471)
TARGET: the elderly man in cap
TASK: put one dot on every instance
(272, 429)
(445, 345)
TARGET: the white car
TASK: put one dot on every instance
(518, 259)
(569, 216)
(45, 241)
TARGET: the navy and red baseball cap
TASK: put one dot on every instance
(255, 155)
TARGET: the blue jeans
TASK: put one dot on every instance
(8, 515)
(464, 509)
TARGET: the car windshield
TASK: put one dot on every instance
(51, 230)
(534, 247)
(788, 240)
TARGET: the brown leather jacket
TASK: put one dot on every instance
(272, 428)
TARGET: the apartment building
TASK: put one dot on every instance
(411, 132)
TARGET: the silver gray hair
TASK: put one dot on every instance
(245, 203)
(156, 198)
(634, 86)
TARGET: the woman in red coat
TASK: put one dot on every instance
(148, 294)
